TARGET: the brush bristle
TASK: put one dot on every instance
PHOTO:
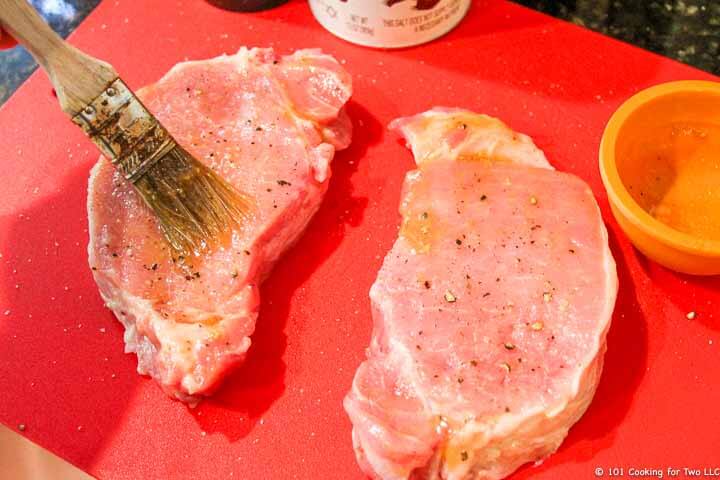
(195, 207)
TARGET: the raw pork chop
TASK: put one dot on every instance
(490, 310)
(269, 125)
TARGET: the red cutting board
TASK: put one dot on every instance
(63, 373)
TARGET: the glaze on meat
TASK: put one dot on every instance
(270, 125)
(490, 311)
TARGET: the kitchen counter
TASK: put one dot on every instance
(686, 30)
(16, 64)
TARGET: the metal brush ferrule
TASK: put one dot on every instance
(124, 130)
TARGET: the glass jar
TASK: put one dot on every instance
(246, 5)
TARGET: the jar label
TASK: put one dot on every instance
(389, 23)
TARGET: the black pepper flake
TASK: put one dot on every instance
(234, 274)
(188, 277)
(463, 456)
(258, 129)
(486, 294)
(197, 274)
(460, 379)
(282, 183)
(93, 269)
(571, 250)
(154, 266)
(458, 241)
(483, 198)
(247, 252)
(418, 347)
(427, 284)
(507, 409)
(114, 254)
(473, 363)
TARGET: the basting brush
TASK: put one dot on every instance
(195, 207)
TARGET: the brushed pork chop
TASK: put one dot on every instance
(490, 311)
(270, 126)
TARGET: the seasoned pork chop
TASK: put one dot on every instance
(270, 126)
(490, 311)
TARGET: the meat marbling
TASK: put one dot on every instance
(490, 311)
(269, 125)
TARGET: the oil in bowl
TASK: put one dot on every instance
(673, 173)
(660, 163)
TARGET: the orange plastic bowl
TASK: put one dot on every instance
(660, 163)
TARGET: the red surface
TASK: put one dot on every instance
(62, 370)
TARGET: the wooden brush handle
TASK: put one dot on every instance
(78, 78)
